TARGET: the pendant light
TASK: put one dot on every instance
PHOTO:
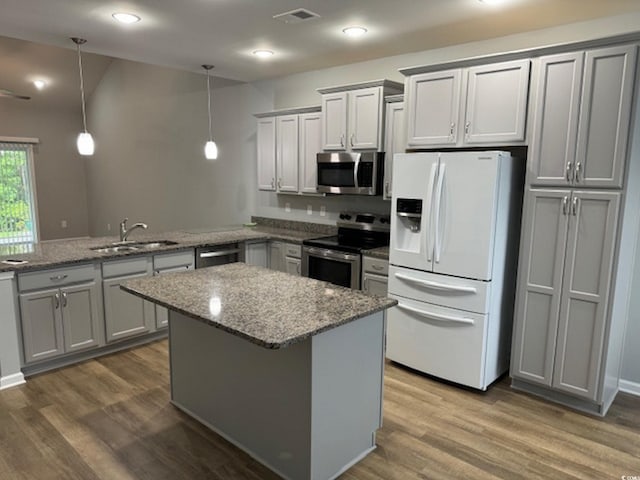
(85, 140)
(210, 148)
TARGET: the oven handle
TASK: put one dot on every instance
(331, 254)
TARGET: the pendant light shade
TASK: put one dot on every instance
(85, 143)
(210, 148)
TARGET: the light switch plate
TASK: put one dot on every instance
(309, 210)
(287, 207)
(323, 211)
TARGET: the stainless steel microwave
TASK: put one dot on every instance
(351, 173)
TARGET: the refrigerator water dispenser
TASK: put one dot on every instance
(409, 212)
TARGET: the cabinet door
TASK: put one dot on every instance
(81, 317)
(41, 324)
(125, 314)
(496, 108)
(605, 116)
(365, 118)
(293, 265)
(433, 104)
(555, 129)
(542, 249)
(394, 142)
(162, 313)
(586, 284)
(266, 139)
(310, 144)
(256, 254)
(375, 284)
(334, 121)
(277, 257)
(287, 153)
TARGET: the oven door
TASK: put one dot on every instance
(339, 268)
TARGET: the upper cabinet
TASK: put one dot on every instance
(482, 105)
(582, 117)
(353, 115)
(394, 138)
(288, 141)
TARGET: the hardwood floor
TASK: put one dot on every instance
(110, 418)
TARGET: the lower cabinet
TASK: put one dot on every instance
(126, 315)
(285, 257)
(256, 253)
(63, 317)
(169, 263)
(375, 277)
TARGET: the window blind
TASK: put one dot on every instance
(17, 195)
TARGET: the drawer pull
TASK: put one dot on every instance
(436, 285)
(64, 299)
(377, 267)
(57, 278)
(437, 316)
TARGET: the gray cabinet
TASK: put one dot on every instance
(170, 263)
(483, 105)
(126, 315)
(287, 153)
(255, 253)
(276, 256)
(266, 154)
(63, 317)
(285, 257)
(375, 275)
(353, 115)
(564, 277)
(394, 139)
(582, 117)
(310, 143)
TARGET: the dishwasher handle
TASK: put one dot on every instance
(219, 253)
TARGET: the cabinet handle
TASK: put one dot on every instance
(377, 267)
(577, 173)
(56, 278)
(574, 206)
(298, 268)
(279, 183)
(352, 139)
(64, 299)
(451, 128)
(466, 127)
(342, 140)
(273, 182)
(569, 168)
(565, 204)
(365, 287)
(57, 299)
(386, 188)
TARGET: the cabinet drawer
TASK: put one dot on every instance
(57, 277)
(130, 266)
(375, 265)
(453, 292)
(172, 260)
(292, 250)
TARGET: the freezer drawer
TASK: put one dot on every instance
(452, 292)
(442, 342)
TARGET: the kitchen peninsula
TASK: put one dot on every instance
(289, 369)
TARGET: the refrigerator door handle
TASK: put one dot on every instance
(436, 285)
(433, 176)
(439, 214)
(437, 316)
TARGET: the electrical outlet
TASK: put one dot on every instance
(287, 207)
(323, 211)
(108, 227)
(63, 223)
(309, 210)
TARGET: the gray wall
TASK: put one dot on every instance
(59, 170)
(150, 127)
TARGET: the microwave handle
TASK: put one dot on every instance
(356, 168)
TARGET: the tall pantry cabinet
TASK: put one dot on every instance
(567, 339)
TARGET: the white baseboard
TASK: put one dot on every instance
(11, 380)
(630, 387)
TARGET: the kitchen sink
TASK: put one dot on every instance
(118, 247)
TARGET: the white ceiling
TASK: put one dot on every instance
(187, 33)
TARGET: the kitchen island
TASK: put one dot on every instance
(289, 369)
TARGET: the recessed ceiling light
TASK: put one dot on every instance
(263, 53)
(354, 31)
(126, 17)
(491, 2)
(39, 84)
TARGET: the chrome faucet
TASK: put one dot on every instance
(124, 231)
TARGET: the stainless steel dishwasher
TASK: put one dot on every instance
(217, 255)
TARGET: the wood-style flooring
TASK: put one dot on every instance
(110, 418)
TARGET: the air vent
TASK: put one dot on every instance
(296, 16)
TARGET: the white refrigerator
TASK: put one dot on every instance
(455, 223)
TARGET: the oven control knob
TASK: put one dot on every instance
(342, 216)
(347, 217)
(384, 220)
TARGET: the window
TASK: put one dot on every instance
(17, 195)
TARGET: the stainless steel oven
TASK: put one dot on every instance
(340, 268)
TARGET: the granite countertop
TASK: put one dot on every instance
(269, 308)
(380, 252)
(65, 252)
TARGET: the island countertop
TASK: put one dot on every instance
(269, 308)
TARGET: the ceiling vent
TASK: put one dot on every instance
(296, 16)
